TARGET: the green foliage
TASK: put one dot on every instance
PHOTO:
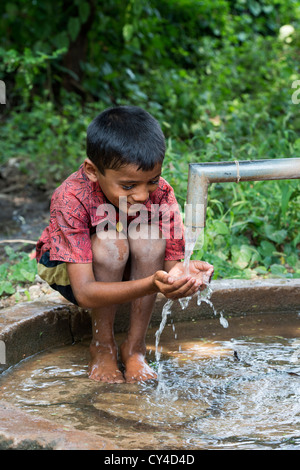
(48, 144)
(216, 74)
(254, 232)
(28, 64)
(19, 269)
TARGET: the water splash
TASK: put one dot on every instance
(162, 388)
(167, 310)
(205, 296)
(184, 302)
(191, 237)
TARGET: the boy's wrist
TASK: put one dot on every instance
(153, 286)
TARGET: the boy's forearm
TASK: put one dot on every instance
(101, 294)
(90, 293)
(169, 264)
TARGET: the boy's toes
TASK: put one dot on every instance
(101, 373)
(112, 378)
(137, 370)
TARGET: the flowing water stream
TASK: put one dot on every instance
(191, 237)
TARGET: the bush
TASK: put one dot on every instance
(216, 74)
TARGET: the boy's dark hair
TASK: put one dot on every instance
(125, 135)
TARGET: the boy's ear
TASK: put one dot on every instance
(90, 170)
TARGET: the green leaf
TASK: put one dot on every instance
(12, 254)
(61, 40)
(6, 287)
(286, 192)
(297, 144)
(73, 28)
(241, 255)
(254, 7)
(293, 260)
(84, 11)
(3, 271)
(221, 228)
(277, 236)
(261, 270)
(11, 9)
(266, 248)
(277, 269)
(267, 9)
(27, 275)
(128, 31)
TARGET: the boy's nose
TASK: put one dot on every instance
(140, 196)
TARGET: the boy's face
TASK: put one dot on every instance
(129, 182)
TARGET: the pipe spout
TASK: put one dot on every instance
(201, 175)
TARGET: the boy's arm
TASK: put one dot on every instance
(169, 264)
(90, 293)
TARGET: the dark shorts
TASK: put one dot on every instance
(56, 275)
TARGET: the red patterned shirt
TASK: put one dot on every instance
(78, 209)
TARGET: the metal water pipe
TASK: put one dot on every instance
(201, 175)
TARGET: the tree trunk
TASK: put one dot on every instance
(77, 54)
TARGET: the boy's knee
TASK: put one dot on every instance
(146, 241)
(110, 248)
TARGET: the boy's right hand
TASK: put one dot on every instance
(175, 288)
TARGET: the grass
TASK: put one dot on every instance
(18, 270)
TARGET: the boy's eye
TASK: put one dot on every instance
(128, 187)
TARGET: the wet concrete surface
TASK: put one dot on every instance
(208, 376)
(20, 431)
(29, 328)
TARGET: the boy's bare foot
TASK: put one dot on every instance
(136, 366)
(103, 366)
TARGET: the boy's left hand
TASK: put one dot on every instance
(199, 270)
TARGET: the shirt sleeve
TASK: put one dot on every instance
(70, 234)
(171, 226)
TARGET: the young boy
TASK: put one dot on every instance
(116, 236)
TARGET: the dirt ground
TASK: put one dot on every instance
(24, 207)
(24, 213)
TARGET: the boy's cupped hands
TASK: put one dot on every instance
(177, 284)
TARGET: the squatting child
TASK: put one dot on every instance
(115, 235)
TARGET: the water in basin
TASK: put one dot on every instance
(218, 388)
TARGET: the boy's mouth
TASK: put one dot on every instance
(126, 207)
(131, 208)
(134, 208)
